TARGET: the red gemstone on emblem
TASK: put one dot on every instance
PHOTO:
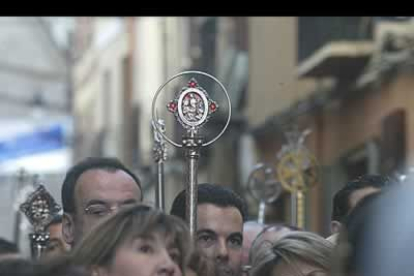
(172, 107)
(192, 84)
(213, 107)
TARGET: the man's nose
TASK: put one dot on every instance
(222, 250)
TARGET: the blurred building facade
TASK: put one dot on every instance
(333, 83)
(247, 54)
(273, 88)
(35, 113)
(353, 79)
(119, 64)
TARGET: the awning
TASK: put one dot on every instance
(340, 59)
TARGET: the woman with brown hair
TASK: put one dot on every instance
(136, 241)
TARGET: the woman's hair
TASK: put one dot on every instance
(301, 246)
(98, 248)
(278, 230)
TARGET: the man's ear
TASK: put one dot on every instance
(68, 228)
(335, 226)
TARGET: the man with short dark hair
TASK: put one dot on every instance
(348, 197)
(93, 189)
(220, 217)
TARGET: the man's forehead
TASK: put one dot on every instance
(110, 185)
(219, 219)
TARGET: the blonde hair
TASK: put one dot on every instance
(296, 246)
(98, 248)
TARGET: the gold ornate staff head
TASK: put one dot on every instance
(297, 169)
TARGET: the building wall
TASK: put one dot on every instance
(30, 66)
(158, 48)
(149, 74)
(343, 127)
(34, 92)
(352, 122)
(96, 106)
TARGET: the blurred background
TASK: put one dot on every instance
(73, 87)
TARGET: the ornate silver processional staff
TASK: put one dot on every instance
(192, 108)
(264, 187)
(40, 208)
(160, 156)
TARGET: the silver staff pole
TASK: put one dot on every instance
(160, 156)
(40, 208)
(264, 187)
(192, 107)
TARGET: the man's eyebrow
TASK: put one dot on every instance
(96, 202)
(102, 202)
(129, 201)
(206, 231)
(236, 235)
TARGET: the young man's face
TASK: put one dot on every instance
(56, 243)
(220, 237)
(98, 193)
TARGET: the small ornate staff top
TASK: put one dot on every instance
(40, 208)
(159, 150)
(160, 155)
(264, 187)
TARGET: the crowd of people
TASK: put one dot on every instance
(107, 230)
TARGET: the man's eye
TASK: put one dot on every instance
(235, 242)
(97, 210)
(204, 238)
